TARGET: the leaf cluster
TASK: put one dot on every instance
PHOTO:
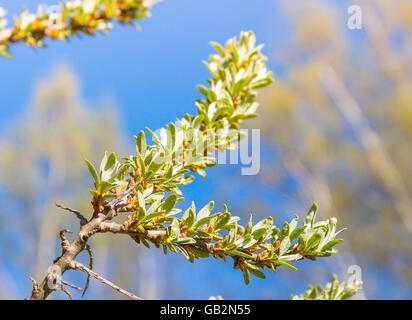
(334, 290)
(160, 169)
(75, 18)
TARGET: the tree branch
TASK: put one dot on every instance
(89, 251)
(66, 292)
(70, 285)
(64, 242)
(79, 243)
(34, 28)
(82, 219)
(78, 266)
(35, 289)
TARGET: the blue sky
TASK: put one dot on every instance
(152, 74)
(155, 69)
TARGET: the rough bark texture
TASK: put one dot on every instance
(71, 250)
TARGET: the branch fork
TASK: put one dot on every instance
(98, 223)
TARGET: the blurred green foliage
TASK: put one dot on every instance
(341, 118)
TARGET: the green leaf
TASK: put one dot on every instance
(151, 216)
(103, 164)
(118, 184)
(204, 212)
(232, 233)
(249, 226)
(186, 240)
(189, 216)
(93, 173)
(154, 136)
(141, 146)
(204, 220)
(331, 244)
(154, 206)
(199, 253)
(291, 257)
(259, 233)
(293, 224)
(218, 48)
(285, 264)
(5, 53)
(141, 213)
(145, 243)
(296, 233)
(240, 253)
(285, 231)
(122, 171)
(198, 121)
(257, 273)
(310, 218)
(175, 229)
(208, 161)
(222, 220)
(141, 200)
(140, 162)
(157, 162)
(201, 172)
(171, 136)
(332, 291)
(313, 241)
(284, 246)
(109, 165)
(246, 276)
(185, 253)
(169, 203)
(103, 187)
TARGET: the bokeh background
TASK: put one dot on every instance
(336, 128)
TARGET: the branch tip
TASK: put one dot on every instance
(66, 292)
(82, 219)
(78, 266)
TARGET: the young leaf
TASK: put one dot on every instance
(93, 173)
(313, 241)
(169, 203)
(141, 146)
(246, 276)
(257, 273)
(204, 212)
(109, 167)
(175, 230)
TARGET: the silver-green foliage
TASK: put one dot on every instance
(158, 171)
(332, 291)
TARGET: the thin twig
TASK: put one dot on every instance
(82, 219)
(88, 228)
(35, 285)
(78, 266)
(89, 251)
(116, 201)
(64, 242)
(66, 292)
(70, 285)
(112, 210)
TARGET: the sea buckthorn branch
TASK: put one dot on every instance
(75, 18)
(254, 247)
(146, 185)
(334, 290)
(238, 68)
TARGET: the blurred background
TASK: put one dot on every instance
(336, 128)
